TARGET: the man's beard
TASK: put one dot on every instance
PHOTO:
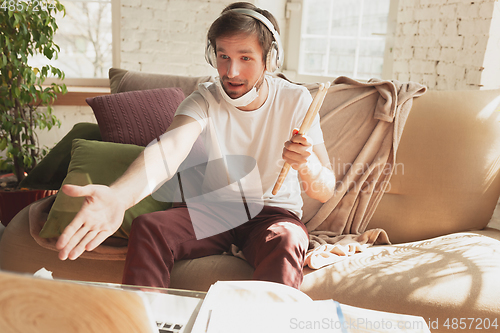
(234, 94)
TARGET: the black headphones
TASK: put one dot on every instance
(274, 58)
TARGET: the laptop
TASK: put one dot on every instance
(32, 304)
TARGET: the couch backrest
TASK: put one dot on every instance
(448, 164)
(121, 80)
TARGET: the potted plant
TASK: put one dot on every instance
(27, 28)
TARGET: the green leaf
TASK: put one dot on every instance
(25, 34)
(27, 161)
(13, 151)
(3, 144)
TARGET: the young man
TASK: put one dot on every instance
(246, 112)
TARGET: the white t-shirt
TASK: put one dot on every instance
(259, 134)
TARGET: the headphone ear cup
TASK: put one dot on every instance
(272, 58)
(210, 56)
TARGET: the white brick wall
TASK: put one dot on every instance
(167, 37)
(445, 43)
(490, 78)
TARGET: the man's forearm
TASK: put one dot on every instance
(133, 185)
(318, 181)
(158, 162)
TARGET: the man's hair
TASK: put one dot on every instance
(232, 23)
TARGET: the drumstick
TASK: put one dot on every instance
(306, 124)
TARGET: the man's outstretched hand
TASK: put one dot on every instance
(100, 216)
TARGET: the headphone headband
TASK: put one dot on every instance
(274, 58)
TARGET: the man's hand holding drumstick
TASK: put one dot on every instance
(311, 161)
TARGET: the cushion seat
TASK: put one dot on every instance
(19, 252)
(435, 278)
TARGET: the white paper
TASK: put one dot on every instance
(43, 273)
(259, 306)
(266, 317)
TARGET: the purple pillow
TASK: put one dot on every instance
(138, 117)
(135, 117)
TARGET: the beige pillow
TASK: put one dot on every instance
(121, 80)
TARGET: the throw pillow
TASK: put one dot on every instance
(136, 117)
(122, 80)
(52, 169)
(95, 162)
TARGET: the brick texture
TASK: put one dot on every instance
(448, 44)
(167, 37)
(444, 44)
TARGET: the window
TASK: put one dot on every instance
(339, 38)
(88, 41)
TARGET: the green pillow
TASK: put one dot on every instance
(97, 162)
(51, 171)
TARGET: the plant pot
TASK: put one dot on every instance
(12, 202)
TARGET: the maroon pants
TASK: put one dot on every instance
(274, 242)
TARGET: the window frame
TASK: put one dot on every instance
(98, 82)
(294, 35)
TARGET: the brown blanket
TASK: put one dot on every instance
(362, 124)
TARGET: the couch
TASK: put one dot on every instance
(443, 263)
